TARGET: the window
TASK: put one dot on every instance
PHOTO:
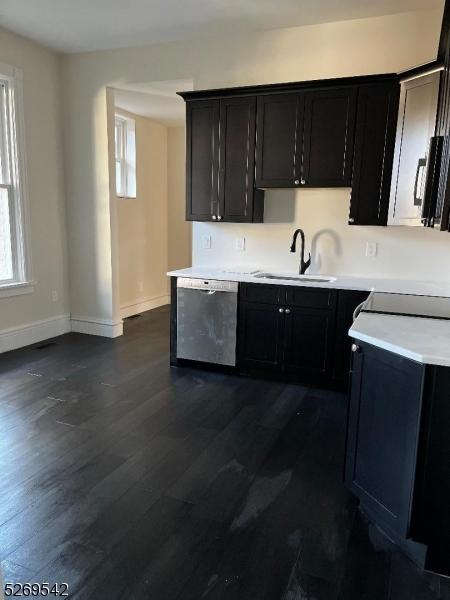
(13, 263)
(125, 142)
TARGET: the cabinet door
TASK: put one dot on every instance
(383, 427)
(202, 139)
(278, 151)
(328, 137)
(348, 300)
(238, 200)
(374, 150)
(260, 336)
(308, 338)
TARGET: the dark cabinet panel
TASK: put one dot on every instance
(279, 117)
(348, 300)
(307, 343)
(262, 292)
(374, 150)
(383, 427)
(288, 330)
(328, 137)
(202, 138)
(310, 297)
(238, 199)
(260, 336)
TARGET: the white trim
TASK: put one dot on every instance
(18, 166)
(31, 333)
(93, 326)
(17, 289)
(128, 310)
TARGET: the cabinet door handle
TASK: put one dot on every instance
(281, 310)
(287, 311)
(302, 181)
(351, 220)
(214, 217)
(356, 348)
(296, 182)
(219, 218)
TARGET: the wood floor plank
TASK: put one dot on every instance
(133, 480)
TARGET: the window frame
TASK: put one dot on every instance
(126, 158)
(13, 142)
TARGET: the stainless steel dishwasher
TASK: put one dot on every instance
(207, 320)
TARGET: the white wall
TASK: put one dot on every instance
(353, 47)
(44, 162)
(336, 248)
(143, 223)
(180, 231)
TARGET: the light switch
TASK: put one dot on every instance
(206, 242)
(371, 249)
(240, 244)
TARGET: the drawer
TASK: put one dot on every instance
(306, 297)
(261, 292)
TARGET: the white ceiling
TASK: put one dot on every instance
(83, 25)
(156, 100)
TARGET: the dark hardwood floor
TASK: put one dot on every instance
(131, 480)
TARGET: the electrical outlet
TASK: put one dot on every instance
(206, 242)
(240, 244)
(371, 249)
(55, 296)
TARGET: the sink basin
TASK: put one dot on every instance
(305, 278)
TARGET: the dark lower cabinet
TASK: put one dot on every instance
(348, 301)
(287, 330)
(383, 430)
(398, 451)
(260, 336)
(308, 341)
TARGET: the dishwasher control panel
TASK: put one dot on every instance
(207, 284)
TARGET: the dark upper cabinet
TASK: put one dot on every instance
(202, 155)
(278, 145)
(376, 122)
(238, 199)
(327, 150)
(305, 138)
(383, 431)
(220, 150)
(334, 133)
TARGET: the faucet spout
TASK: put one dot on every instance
(304, 265)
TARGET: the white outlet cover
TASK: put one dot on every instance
(240, 244)
(206, 242)
(371, 249)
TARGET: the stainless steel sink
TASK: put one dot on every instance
(305, 278)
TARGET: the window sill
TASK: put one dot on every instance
(16, 289)
(125, 197)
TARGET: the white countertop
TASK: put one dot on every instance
(426, 341)
(342, 282)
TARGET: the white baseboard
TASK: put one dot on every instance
(31, 333)
(91, 326)
(128, 310)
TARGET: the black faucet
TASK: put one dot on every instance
(303, 265)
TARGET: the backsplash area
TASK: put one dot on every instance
(336, 248)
